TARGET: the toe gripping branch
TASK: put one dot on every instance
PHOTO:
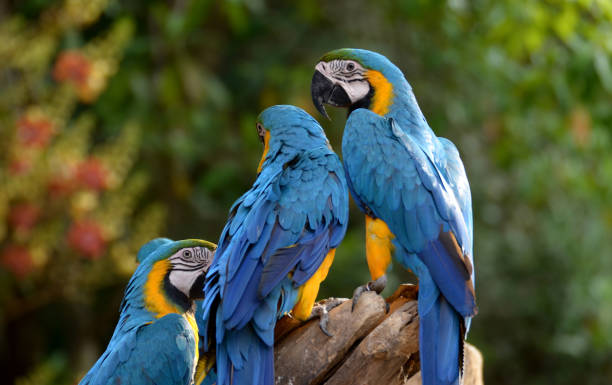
(321, 311)
(377, 285)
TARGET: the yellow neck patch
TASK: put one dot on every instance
(383, 92)
(154, 298)
(156, 302)
(265, 151)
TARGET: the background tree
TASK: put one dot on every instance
(68, 230)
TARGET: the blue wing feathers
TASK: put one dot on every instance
(428, 201)
(243, 312)
(278, 267)
(240, 291)
(429, 220)
(427, 205)
(130, 359)
(278, 236)
(450, 276)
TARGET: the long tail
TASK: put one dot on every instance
(244, 359)
(441, 344)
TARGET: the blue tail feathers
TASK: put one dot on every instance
(441, 344)
(244, 359)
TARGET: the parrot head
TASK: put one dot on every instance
(175, 272)
(356, 78)
(287, 129)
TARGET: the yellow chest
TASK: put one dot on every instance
(308, 291)
(379, 246)
(189, 316)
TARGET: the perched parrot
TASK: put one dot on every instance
(156, 339)
(277, 246)
(413, 189)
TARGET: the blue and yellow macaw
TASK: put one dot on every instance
(156, 339)
(413, 189)
(277, 246)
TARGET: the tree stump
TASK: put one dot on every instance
(368, 346)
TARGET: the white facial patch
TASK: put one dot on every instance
(348, 74)
(183, 280)
(187, 265)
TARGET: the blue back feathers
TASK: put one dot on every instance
(276, 237)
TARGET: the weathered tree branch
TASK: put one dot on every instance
(369, 345)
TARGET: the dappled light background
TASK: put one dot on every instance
(125, 120)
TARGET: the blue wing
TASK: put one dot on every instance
(162, 352)
(286, 223)
(277, 236)
(423, 196)
(418, 186)
(454, 172)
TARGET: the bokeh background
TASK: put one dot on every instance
(125, 120)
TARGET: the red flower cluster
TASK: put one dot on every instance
(92, 174)
(17, 259)
(34, 132)
(23, 216)
(20, 166)
(73, 67)
(61, 185)
(86, 238)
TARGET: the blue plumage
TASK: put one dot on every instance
(154, 341)
(400, 172)
(277, 236)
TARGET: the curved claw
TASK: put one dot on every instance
(321, 311)
(377, 285)
(323, 320)
(357, 293)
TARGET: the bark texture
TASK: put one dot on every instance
(369, 345)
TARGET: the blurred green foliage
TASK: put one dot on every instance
(523, 89)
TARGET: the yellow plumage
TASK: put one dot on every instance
(383, 92)
(378, 246)
(309, 290)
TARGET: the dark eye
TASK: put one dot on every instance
(187, 254)
(261, 132)
(350, 66)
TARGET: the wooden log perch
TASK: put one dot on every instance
(368, 346)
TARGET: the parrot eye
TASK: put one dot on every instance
(261, 132)
(350, 66)
(187, 254)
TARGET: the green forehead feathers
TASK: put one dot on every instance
(161, 248)
(341, 54)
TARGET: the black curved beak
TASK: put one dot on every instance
(197, 289)
(324, 91)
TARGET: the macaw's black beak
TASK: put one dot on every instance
(324, 91)
(197, 289)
